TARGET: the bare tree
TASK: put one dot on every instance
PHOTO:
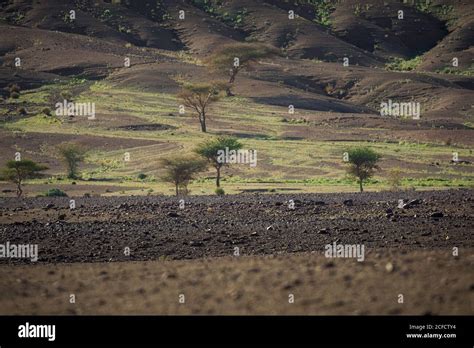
(235, 57)
(198, 96)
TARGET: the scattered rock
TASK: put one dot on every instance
(329, 264)
(412, 203)
(436, 215)
(348, 202)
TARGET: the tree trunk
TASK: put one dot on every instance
(218, 177)
(177, 190)
(202, 120)
(360, 185)
(233, 74)
(19, 191)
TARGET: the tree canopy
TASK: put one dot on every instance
(18, 171)
(71, 155)
(362, 164)
(210, 151)
(234, 57)
(181, 170)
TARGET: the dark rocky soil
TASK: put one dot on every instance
(100, 229)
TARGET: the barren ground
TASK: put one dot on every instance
(408, 251)
(431, 282)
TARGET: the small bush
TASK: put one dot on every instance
(394, 178)
(72, 155)
(22, 111)
(66, 95)
(14, 95)
(220, 191)
(399, 64)
(55, 192)
(14, 88)
(142, 176)
(46, 111)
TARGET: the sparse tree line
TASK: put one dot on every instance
(19, 170)
(179, 170)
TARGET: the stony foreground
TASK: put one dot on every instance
(151, 228)
(249, 254)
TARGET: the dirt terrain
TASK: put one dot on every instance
(287, 247)
(431, 283)
(281, 251)
(99, 229)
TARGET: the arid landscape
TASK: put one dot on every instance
(242, 255)
(314, 83)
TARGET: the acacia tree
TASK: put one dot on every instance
(199, 96)
(362, 164)
(18, 171)
(235, 57)
(210, 150)
(72, 155)
(181, 170)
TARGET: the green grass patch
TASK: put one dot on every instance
(456, 71)
(400, 64)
